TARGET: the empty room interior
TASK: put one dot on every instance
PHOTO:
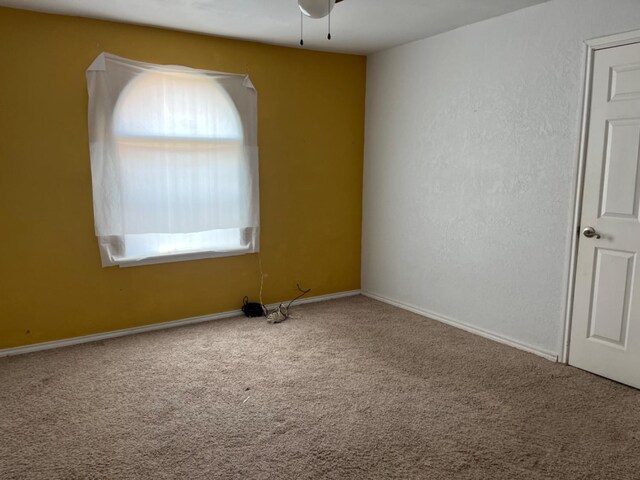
(306, 239)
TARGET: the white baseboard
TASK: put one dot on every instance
(455, 323)
(36, 347)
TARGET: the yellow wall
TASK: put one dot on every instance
(311, 130)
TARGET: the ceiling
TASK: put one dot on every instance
(357, 26)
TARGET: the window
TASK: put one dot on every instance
(174, 162)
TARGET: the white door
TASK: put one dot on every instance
(605, 332)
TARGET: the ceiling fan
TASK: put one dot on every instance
(316, 9)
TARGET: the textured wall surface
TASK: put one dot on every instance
(51, 283)
(471, 147)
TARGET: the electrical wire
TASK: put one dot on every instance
(329, 8)
(261, 278)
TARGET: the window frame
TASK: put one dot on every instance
(113, 246)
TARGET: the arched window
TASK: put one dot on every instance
(185, 177)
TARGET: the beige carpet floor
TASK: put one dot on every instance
(351, 388)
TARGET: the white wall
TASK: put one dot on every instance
(471, 147)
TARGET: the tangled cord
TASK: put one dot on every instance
(281, 313)
(278, 314)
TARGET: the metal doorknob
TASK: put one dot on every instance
(590, 232)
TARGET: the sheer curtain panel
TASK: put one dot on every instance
(174, 162)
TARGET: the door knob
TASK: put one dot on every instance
(590, 232)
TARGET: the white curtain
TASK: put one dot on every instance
(174, 161)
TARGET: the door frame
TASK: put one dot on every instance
(591, 46)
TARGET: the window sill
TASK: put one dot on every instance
(179, 257)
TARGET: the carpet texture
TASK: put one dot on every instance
(351, 388)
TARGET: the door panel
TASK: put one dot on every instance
(613, 280)
(620, 192)
(605, 333)
(625, 82)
